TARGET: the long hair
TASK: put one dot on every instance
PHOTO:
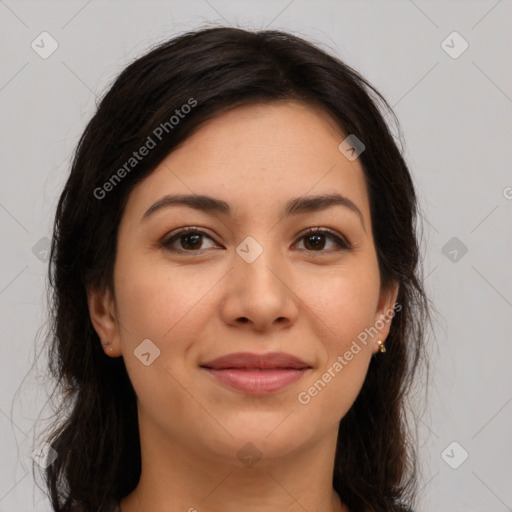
(212, 70)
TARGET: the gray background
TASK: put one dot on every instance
(456, 118)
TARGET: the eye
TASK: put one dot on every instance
(315, 240)
(190, 239)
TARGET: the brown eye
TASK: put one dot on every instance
(186, 240)
(315, 240)
(191, 241)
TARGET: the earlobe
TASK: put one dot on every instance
(102, 314)
(386, 311)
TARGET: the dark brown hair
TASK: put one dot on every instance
(219, 68)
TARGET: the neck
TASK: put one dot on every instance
(176, 476)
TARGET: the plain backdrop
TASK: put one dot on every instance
(455, 108)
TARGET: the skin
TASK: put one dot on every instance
(196, 306)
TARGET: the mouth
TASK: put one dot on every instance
(257, 374)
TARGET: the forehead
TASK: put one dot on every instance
(256, 157)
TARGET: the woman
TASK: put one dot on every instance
(237, 312)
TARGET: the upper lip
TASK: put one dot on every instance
(256, 361)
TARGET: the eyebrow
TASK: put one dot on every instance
(296, 206)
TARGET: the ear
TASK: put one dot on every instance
(103, 317)
(386, 310)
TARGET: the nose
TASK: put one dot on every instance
(259, 296)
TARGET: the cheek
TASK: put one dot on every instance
(346, 300)
(345, 306)
(169, 306)
(154, 304)
(154, 301)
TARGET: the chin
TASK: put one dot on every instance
(262, 438)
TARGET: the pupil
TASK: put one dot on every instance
(188, 237)
(317, 243)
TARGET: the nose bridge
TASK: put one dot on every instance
(257, 290)
(258, 264)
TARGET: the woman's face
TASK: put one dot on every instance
(248, 280)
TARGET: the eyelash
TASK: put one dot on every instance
(340, 242)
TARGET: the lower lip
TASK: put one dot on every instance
(258, 382)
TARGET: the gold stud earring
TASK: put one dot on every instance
(382, 348)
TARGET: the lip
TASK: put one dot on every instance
(257, 374)
(257, 382)
(252, 361)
